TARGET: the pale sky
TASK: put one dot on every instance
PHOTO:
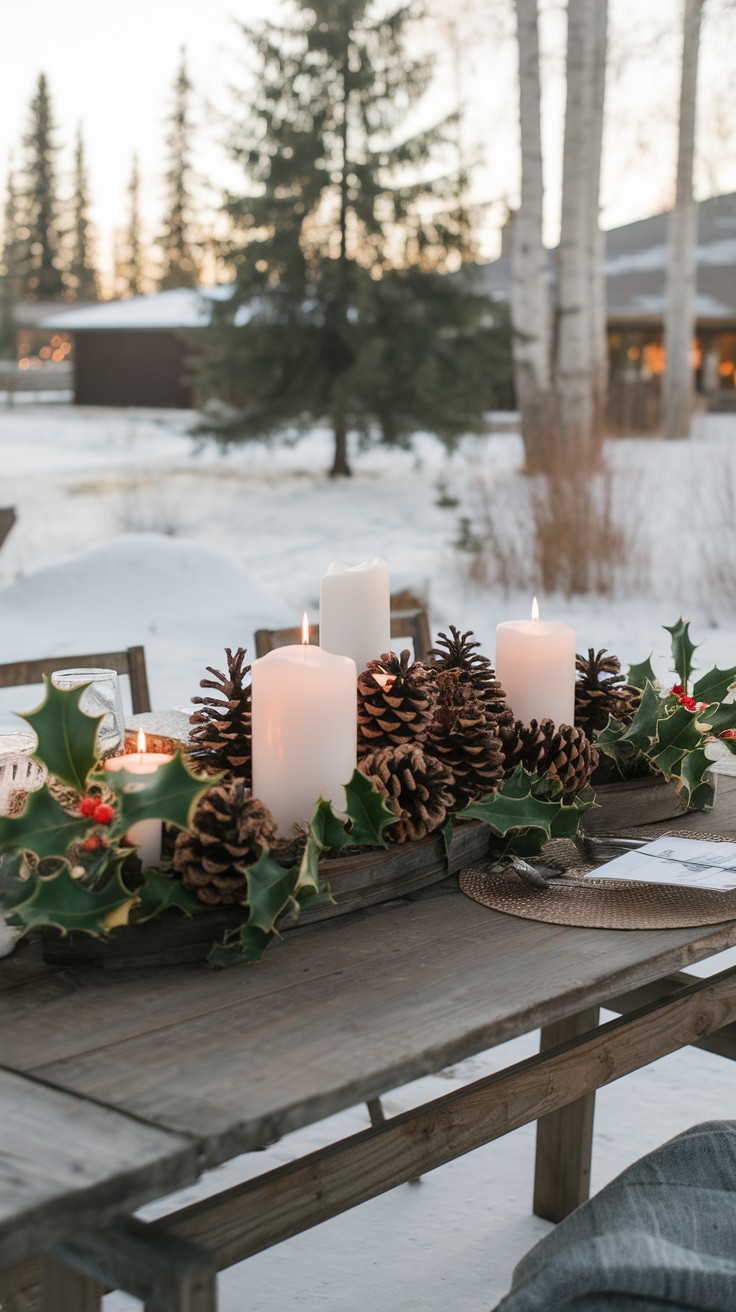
(112, 68)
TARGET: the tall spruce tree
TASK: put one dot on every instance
(180, 261)
(11, 275)
(43, 264)
(342, 241)
(81, 276)
(131, 264)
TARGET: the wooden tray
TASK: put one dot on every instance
(641, 803)
(356, 882)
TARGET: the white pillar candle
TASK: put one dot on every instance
(147, 834)
(355, 610)
(535, 665)
(304, 730)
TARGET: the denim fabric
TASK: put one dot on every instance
(659, 1238)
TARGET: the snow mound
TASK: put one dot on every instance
(183, 601)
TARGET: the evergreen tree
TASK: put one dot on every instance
(180, 260)
(43, 276)
(131, 265)
(342, 308)
(81, 277)
(10, 269)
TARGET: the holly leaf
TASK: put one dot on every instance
(715, 685)
(244, 944)
(43, 827)
(643, 726)
(170, 793)
(513, 806)
(677, 733)
(691, 785)
(327, 829)
(682, 649)
(67, 736)
(642, 674)
(271, 889)
(66, 903)
(367, 811)
(159, 892)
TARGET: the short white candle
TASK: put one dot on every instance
(535, 665)
(355, 610)
(147, 834)
(304, 730)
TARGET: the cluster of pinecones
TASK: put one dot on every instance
(433, 736)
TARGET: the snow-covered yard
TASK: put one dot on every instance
(130, 532)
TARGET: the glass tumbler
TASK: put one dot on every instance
(101, 697)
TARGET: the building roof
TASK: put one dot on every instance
(184, 307)
(636, 262)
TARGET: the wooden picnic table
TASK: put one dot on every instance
(150, 1076)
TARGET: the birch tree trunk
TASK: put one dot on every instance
(574, 357)
(677, 389)
(596, 239)
(530, 300)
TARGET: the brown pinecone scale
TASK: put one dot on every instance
(459, 652)
(221, 737)
(601, 690)
(395, 702)
(561, 751)
(463, 736)
(416, 786)
(228, 833)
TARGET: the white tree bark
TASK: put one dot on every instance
(530, 300)
(574, 356)
(597, 245)
(677, 391)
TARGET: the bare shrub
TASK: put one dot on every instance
(148, 509)
(570, 530)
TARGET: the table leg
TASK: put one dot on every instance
(64, 1289)
(564, 1137)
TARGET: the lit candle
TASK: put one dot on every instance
(147, 834)
(535, 665)
(355, 610)
(304, 729)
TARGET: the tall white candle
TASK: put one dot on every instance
(355, 610)
(535, 665)
(147, 834)
(304, 730)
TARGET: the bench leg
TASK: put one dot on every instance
(565, 1137)
(64, 1289)
(166, 1273)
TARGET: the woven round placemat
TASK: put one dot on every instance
(596, 903)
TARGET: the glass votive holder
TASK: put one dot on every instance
(19, 775)
(101, 697)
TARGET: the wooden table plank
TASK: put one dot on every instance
(66, 1162)
(334, 1016)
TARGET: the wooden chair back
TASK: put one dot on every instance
(412, 624)
(132, 661)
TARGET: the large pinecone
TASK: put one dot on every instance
(395, 702)
(559, 751)
(221, 737)
(228, 833)
(416, 786)
(459, 652)
(601, 690)
(464, 737)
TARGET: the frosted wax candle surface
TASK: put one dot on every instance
(355, 610)
(535, 665)
(147, 834)
(304, 730)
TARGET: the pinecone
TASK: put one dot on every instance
(395, 702)
(228, 833)
(458, 652)
(416, 786)
(601, 690)
(560, 751)
(221, 737)
(464, 737)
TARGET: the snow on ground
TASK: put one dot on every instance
(130, 531)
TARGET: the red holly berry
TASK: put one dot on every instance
(728, 733)
(688, 703)
(92, 843)
(678, 690)
(88, 806)
(102, 814)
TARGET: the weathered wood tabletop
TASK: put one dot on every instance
(221, 1063)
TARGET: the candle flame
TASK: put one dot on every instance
(535, 610)
(142, 745)
(305, 630)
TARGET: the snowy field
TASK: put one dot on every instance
(130, 532)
